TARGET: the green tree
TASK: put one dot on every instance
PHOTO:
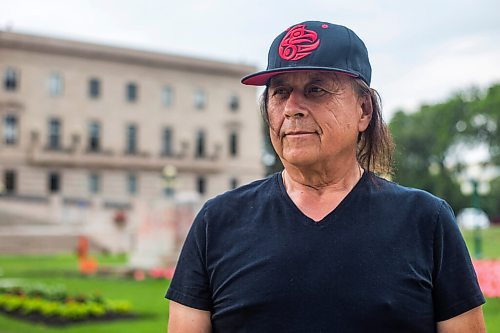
(483, 121)
(425, 139)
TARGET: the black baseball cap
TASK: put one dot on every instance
(315, 46)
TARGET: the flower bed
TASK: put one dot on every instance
(56, 307)
(488, 274)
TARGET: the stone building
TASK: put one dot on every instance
(85, 124)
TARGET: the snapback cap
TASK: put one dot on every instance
(315, 46)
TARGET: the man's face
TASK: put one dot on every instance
(314, 118)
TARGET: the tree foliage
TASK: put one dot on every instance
(426, 139)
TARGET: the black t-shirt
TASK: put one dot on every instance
(387, 259)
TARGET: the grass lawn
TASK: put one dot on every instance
(490, 242)
(146, 296)
(490, 250)
(492, 314)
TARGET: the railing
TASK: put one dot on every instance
(183, 160)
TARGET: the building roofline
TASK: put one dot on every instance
(78, 49)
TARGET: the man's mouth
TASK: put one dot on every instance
(298, 133)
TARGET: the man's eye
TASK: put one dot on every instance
(315, 91)
(280, 92)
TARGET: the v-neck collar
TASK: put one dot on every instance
(335, 212)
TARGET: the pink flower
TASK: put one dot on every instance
(488, 274)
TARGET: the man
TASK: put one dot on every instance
(325, 245)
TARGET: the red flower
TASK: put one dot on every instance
(488, 274)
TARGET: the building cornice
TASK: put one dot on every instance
(84, 50)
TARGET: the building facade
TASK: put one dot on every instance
(82, 122)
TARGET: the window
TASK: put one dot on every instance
(200, 144)
(234, 103)
(233, 144)
(132, 183)
(166, 148)
(233, 183)
(54, 182)
(94, 88)
(9, 181)
(55, 84)
(54, 133)
(94, 183)
(199, 99)
(10, 130)
(94, 131)
(201, 185)
(131, 92)
(131, 139)
(167, 96)
(10, 79)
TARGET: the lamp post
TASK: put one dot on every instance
(478, 241)
(169, 175)
(475, 181)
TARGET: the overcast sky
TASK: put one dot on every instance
(421, 51)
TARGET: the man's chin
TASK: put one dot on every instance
(299, 158)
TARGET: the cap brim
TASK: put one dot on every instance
(262, 78)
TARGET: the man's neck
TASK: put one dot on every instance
(323, 181)
(316, 195)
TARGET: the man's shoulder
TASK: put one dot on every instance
(249, 193)
(394, 192)
(410, 206)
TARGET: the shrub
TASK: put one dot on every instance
(50, 309)
(12, 303)
(118, 307)
(32, 305)
(59, 306)
(96, 309)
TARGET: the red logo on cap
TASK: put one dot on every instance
(298, 43)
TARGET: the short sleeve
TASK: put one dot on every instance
(190, 284)
(455, 287)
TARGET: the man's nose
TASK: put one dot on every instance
(294, 107)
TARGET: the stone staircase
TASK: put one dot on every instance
(22, 235)
(35, 244)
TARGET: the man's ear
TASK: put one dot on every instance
(366, 113)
